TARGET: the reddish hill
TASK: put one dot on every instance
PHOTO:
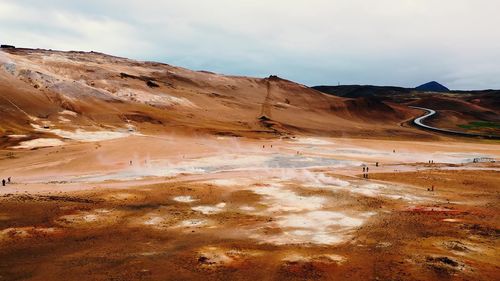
(96, 92)
(456, 113)
(465, 108)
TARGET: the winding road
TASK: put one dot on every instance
(431, 112)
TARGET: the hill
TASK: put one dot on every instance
(356, 91)
(457, 110)
(79, 95)
(432, 86)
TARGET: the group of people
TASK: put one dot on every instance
(365, 171)
(5, 181)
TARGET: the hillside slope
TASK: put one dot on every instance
(467, 111)
(53, 93)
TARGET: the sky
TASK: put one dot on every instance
(313, 42)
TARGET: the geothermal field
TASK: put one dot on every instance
(118, 169)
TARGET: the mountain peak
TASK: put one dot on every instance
(432, 86)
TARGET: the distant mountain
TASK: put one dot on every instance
(356, 91)
(432, 86)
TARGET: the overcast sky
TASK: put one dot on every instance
(381, 42)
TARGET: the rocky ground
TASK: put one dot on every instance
(222, 208)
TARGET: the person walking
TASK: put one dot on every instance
(8, 180)
(3, 182)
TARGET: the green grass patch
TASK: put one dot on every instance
(481, 125)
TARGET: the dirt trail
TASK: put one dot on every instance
(266, 105)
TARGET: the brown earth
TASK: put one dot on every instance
(42, 241)
(109, 92)
(126, 170)
(387, 227)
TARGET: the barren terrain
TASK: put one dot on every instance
(125, 170)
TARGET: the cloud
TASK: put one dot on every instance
(392, 42)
